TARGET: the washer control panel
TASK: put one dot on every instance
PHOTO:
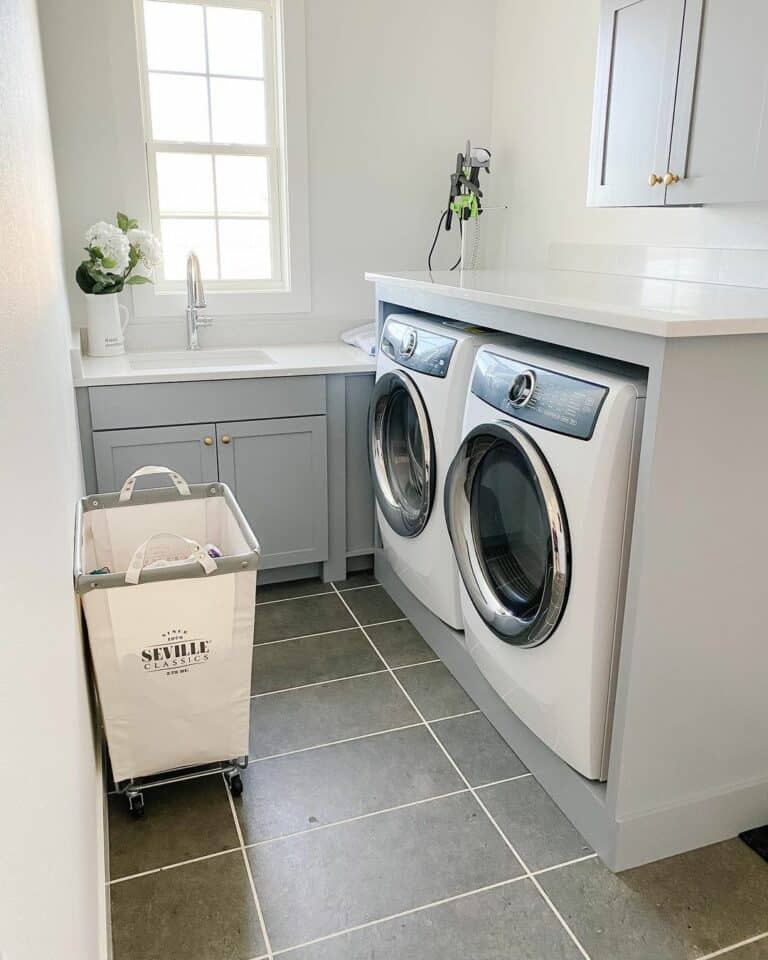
(538, 396)
(416, 348)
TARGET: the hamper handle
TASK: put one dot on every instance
(178, 481)
(138, 559)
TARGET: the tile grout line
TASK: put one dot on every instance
(401, 806)
(454, 716)
(171, 866)
(323, 633)
(339, 823)
(333, 743)
(316, 683)
(734, 946)
(436, 903)
(496, 783)
(309, 596)
(365, 816)
(472, 790)
(361, 816)
(353, 676)
(301, 596)
(247, 862)
(362, 736)
(565, 863)
(397, 916)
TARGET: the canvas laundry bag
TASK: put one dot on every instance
(170, 628)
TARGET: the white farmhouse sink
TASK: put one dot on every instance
(186, 359)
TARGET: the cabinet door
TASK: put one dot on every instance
(637, 61)
(720, 136)
(277, 470)
(119, 452)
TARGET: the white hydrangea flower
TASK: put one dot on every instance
(150, 251)
(113, 243)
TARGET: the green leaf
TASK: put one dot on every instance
(83, 278)
(138, 278)
(126, 223)
(95, 252)
(94, 271)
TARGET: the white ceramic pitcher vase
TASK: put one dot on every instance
(105, 326)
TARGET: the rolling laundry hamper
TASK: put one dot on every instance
(170, 628)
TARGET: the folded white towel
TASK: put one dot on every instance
(362, 337)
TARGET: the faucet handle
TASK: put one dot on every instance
(204, 321)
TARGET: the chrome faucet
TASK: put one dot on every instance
(195, 302)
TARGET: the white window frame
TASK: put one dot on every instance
(285, 89)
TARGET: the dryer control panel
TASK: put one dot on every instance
(417, 349)
(538, 396)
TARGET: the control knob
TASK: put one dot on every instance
(522, 387)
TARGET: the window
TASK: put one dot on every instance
(214, 144)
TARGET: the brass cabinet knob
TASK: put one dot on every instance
(670, 178)
(208, 441)
(653, 180)
(226, 438)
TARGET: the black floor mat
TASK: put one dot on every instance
(758, 840)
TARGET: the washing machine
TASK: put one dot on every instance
(539, 504)
(414, 427)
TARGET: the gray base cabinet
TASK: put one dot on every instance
(278, 471)
(292, 449)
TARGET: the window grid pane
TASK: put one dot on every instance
(232, 233)
(242, 225)
(236, 101)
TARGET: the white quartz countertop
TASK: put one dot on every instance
(281, 360)
(662, 308)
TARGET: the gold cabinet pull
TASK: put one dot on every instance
(670, 178)
(653, 180)
(226, 438)
(208, 441)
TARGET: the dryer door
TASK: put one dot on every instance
(402, 453)
(509, 532)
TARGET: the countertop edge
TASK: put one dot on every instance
(666, 325)
(81, 378)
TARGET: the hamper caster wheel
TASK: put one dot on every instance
(136, 806)
(236, 785)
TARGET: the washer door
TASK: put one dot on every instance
(509, 532)
(402, 454)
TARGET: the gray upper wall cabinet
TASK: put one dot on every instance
(681, 103)
(637, 62)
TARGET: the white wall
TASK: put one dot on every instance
(394, 89)
(51, 866)
(544, 67)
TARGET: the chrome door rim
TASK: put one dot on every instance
(401, 521)
(458, 489)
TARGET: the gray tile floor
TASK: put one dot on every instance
(383, 818)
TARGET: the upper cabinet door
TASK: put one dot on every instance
(637, 61)
(720, 136)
